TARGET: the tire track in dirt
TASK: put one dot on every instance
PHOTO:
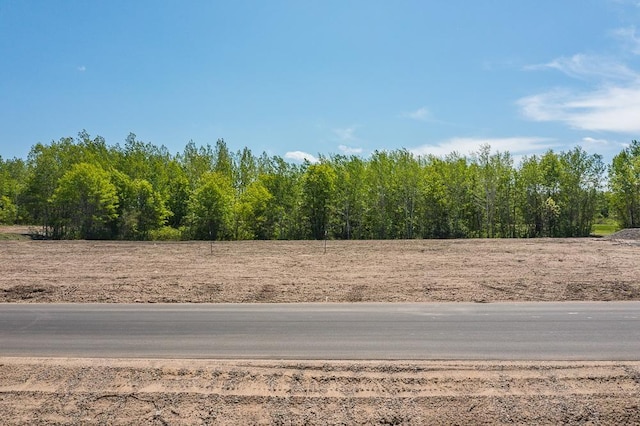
(265, 392)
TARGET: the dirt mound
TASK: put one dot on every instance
(626, 234)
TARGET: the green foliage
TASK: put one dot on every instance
(624, 182)
(604, 227)
(84, 188)
(253, 211)
(84, 203)
(12, 177)
(166, 233)
(318, 187)
(8, 210)
(209, 208)
(141, 209)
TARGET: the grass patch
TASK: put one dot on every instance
(13, 237)
(604, 229)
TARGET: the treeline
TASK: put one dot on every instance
(84, 188)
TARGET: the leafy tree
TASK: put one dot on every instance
(530, 197)
(318, 186)
(176, 194)
(12, 177)
(210, 207)
(211, 192)
(196, 162)
(495, 191)
(379, 196)
(141, 209)
(253, 207)
(8, 210)
(46, 165)
(223, 161)
(580, 183)
(283, 181)
(434, 216)
(624, 182)
(85, 203)
(349, 196)
(247, 169)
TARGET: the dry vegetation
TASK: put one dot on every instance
(59, 391)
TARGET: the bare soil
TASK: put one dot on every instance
(167, 392)
(197, 392)
(301, 271)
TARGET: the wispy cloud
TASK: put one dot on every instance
(589, 67)
(300, 156)
(421, 114)
(613, 102)
(349, 150)
(346, 134)
(629, 38)
(613, 108)
(81, 68)
(466, 146)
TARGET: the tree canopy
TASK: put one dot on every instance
(83, 188)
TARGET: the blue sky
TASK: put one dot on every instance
(303, 78)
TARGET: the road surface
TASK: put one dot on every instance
(494, 331)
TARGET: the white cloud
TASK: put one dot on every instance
(421, 114)
(612, 108)
(587, 67)
(466, 146)
(300, 156)
(82, 68)
(349, 150)
(593, 141)
(612, 105)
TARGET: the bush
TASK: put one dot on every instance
(166, 233)
(8, 211)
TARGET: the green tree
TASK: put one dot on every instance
(141, 209)
(283, 181)
(12, 178)
(318, 186)
(624, 183)
(46, 164)
(580, 182)
(210, 207)
(379, 197)
(434, 215)
(8, 210)
(494, 191)
(177, 194)
(253, 207)
(349, 196)
(85, 203)
(223, 161)
(196, 162)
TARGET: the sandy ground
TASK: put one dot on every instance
(190, 392)
(167, 392)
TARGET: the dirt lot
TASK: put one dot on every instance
(300, 271)
(100, 391)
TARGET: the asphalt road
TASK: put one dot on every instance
(495, 331)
